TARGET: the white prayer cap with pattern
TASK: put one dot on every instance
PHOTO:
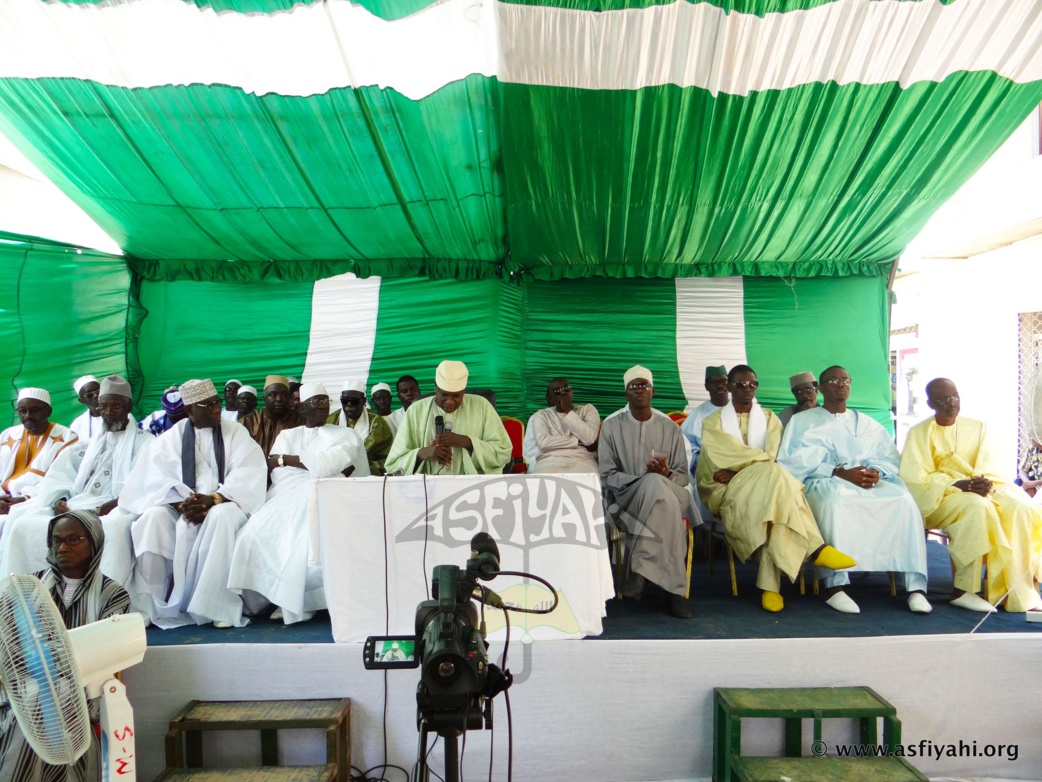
(81, 382)
(193, 391)
(637, 372)
(353, 385)
(114, 384)
(233, 381)
(381, 387)
(34, 393)
(308, 390)
(247, 390)
(451, 376)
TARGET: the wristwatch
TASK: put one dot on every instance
(217, 498)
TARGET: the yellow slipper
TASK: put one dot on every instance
(836, 560)
(772, 601)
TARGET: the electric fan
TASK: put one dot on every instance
(48, 673)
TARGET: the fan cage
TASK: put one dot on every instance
(39, 672)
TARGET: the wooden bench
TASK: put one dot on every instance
(184, 740)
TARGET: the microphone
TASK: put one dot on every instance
(439, 425)
(448, 426)
(484, 556)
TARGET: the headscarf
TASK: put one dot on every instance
(54, 580)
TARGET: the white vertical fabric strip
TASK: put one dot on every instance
(336, 44)
(344, 310)
(710, 330)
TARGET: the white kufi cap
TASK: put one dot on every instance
(308, 390)
(34, 393)
(451, 376)
(637, 372)
(82, 381)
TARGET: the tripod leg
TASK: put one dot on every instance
(451, 758)
(420, 771)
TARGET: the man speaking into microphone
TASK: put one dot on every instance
(450, 433)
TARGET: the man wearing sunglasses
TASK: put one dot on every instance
(643, 468)
(953, 471)
(761, 504)
(805, 388)
(563, 436)
(850, 465)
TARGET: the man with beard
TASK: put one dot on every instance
(231, 400)
(762, 505)
(472, 441)
(28, 449)
(193, 492)
(643, 469)
(953, 470)
(408, 391)
(87, 476)
(562, 437)
(276, 558)
(374, 431)
(89, 421)
(805, 388)
(850, 466)
(278, 413)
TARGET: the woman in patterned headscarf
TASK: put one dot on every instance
(83, 595)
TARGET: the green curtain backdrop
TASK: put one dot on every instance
(63, 314)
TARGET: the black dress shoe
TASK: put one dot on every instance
(633, 587)
(677, 606)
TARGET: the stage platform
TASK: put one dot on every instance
(635, 703)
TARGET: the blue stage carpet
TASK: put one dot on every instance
(717, 613)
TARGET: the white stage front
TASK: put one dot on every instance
(620, 710)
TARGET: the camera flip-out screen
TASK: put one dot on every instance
(390, 651)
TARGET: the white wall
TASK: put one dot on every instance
(967, 308)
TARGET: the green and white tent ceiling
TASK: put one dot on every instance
(246, 139)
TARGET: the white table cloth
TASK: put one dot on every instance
(377, 532)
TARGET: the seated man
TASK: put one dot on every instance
(472, 438)
(231, 399)
(374, 431)
(89, 421)
(562, 437)
(278, 413)
(173, 410)
(276, 554)
(952, 470)
(28, 449)
(805, 389)
(245, 402)
(193, 492)
(644, 474)
(408, 391)
(381, 400)
(88, 476)
(716, 385)
(761, 504)
(849, 464)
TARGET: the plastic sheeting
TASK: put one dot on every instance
(63, 314)
(515, 337)
(470, 141)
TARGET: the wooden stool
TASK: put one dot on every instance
(184, 741)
